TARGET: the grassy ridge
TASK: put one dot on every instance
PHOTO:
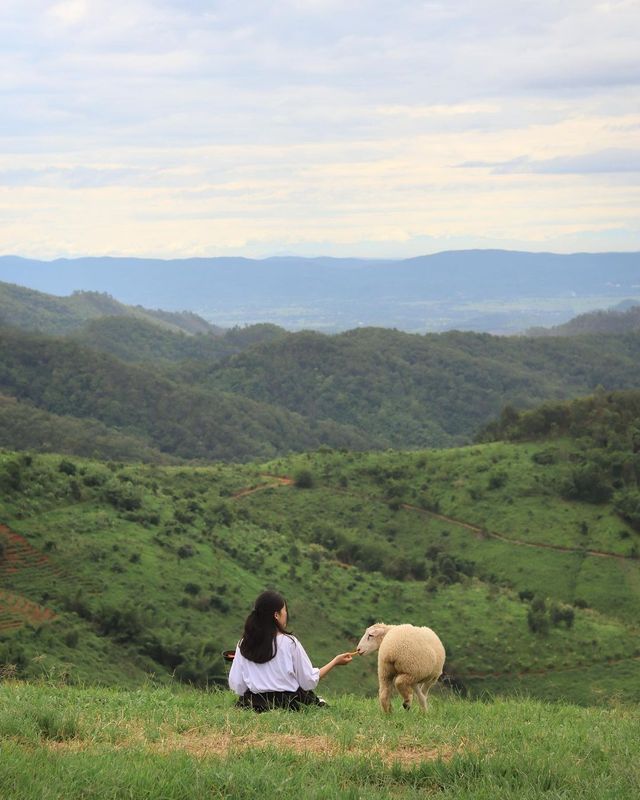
(72, 743)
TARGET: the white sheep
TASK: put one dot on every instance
(408, 656)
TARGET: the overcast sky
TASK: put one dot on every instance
(199, 128)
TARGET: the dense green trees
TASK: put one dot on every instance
(68, 380)
(260, 391)
(30, 310)
(416, 391)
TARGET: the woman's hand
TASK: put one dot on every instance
(339, 661)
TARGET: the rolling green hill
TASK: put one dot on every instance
(139, 341)
(259, 391)
(26, 427)
(531, 588)
(30, 310)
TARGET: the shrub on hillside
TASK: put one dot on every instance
(124, 497)
(627, 505)
(303, 479)
(124, 624)
(497, 480)
(587, 483)
(93, 479)
(67, 467)
(11, 476)
(562, 614)
(544, 457)
(537, 618)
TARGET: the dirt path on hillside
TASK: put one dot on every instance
(277, 482)
(479, 532)
(483, 533)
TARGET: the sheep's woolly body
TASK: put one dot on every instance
(409, 657)
(415, 651)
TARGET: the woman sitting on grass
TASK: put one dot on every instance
(270, 667)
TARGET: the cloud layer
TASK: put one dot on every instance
(197, 127)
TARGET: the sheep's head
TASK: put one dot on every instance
(372, 638)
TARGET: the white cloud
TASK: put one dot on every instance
(69, 12)
(602, 161)
(211, 124)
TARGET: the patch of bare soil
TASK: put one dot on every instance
(221, 744)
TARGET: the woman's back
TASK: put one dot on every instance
(287, 671)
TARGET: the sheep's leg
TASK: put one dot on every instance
(385, 685)
(422, 691)
(384, 694)
(404, 684)
(421, 695)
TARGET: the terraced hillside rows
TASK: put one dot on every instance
(23, 568)
(16, 611)
(19, 560)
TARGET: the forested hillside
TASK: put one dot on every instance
(23, 426)
(35, 311)
(419, 390)
(65, 379)
(261, 391)
(138, 341)
(594, 322)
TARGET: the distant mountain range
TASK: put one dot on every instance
(484, 290)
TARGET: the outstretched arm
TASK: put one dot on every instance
(339, 661)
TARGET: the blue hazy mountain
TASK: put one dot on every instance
(486, 290)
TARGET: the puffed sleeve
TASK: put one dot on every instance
(306, 674)
(236, 681)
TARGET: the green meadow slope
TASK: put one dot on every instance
(68, 743)
(111, 572)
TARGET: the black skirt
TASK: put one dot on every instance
(291, 701)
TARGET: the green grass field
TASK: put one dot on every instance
(63, 743)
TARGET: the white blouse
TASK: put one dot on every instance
(287, 671)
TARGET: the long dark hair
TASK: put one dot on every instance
(259, 643)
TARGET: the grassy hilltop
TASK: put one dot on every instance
(111, 572)
(67, 743)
